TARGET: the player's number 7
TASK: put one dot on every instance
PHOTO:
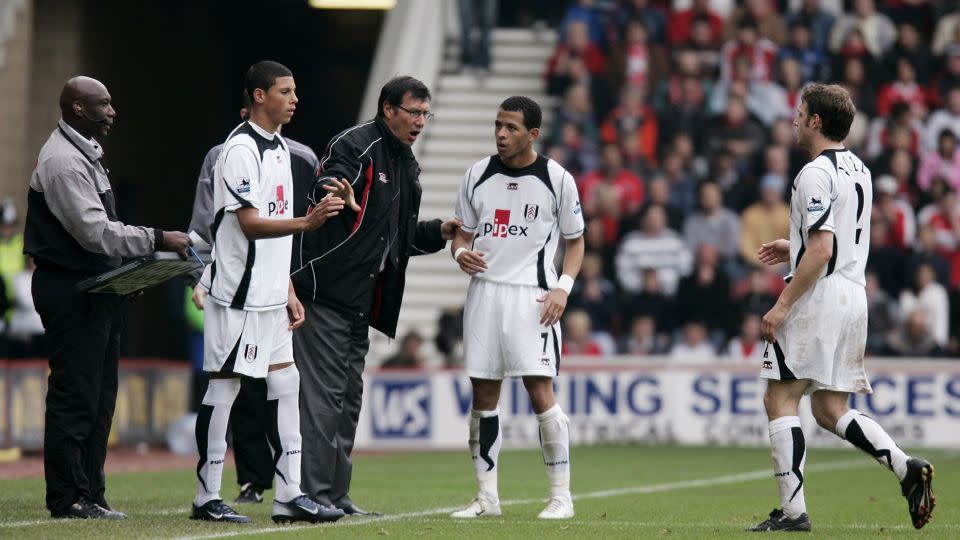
(543, 336)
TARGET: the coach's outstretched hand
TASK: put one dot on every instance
(343, 190)
(774, 252)
(554, 302)
(327, 208)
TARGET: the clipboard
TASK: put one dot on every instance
(144, 273)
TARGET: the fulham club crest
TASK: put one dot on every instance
(531, 211)
(250, 353)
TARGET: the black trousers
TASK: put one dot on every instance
(83, 332)
(249, 419)
(330, 350)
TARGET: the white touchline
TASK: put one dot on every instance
(185, 510)
(635, 490)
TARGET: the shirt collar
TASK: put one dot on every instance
(90, 148)
(262, 132)
(392, 141)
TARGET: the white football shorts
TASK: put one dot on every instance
(503, 336)
(822, 339)
(245, 342)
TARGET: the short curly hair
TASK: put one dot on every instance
(532, 115)
(832, 103)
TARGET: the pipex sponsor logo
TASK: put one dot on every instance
(501, 228)
(280, 205)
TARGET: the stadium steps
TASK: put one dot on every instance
(459, 136)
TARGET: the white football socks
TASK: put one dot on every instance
(485, 442)
(555, 445)
(866, 434)
(283, 403)
(211, 432)
(788, 448)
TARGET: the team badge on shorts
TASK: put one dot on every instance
(531, 211)
(250, 352)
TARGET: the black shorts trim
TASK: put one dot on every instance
(785, 373)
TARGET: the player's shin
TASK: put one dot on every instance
(211, 432)
(485, 442)
(866, 434)
(283, 403)
(788, 448)
(555, 445)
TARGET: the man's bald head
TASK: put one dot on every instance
(86, 106)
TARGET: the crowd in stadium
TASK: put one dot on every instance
(677, 124)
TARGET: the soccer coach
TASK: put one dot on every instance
(350, 276)
(72, 232)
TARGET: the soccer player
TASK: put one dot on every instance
(515, 206)
(817, 330)
(251, 308)
(251, 449)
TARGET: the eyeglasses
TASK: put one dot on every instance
(417, 114)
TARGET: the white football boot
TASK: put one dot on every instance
(482, 506)
(558, 507)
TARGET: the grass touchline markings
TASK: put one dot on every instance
(185, 510)
(636, 490)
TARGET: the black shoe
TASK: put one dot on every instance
(102, 503)
(778, 521)
(217, 510)
(351, 509)
(87, 509)
(249, 494)
(304, 508)
(917, 487)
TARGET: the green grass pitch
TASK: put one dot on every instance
(629, 491)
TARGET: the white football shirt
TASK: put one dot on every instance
(834, 192)
(253, 171)
(518, 216)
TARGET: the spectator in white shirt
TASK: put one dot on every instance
(654, 246)
(932, 298)
(694, 345)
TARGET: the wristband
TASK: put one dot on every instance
(157, 239)
(566, 283)
(458, 252)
